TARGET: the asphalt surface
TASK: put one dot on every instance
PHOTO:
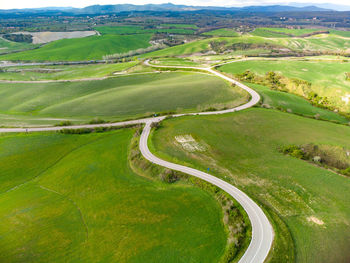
(262, 231)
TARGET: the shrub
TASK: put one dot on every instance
(345, 171)
(64, 123)
(97, 121)
(169, 176)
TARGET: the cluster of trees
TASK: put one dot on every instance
(136, 52)
(19, 37)
(331, 157)
(281, 83)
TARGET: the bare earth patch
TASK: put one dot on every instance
(189, 143)
(315, 220)
(45, 37)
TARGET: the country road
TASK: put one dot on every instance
(262, 231)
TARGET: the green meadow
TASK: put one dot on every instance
(64, 72)
(307, 205)
(81, 202)
(327, 77)
(117, 98)
(191, 26)
(82, 49)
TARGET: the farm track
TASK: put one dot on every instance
(262, 231)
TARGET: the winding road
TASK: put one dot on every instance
(262, 231)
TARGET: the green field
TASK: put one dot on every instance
(82, 49)
(223, 32)
(294, 104)
(115, 98)
(64, 72)
(328, 78)
(81, 202)
(173, 61)
(179, 26)
(242, 148)
(9, 46)
(286, 32)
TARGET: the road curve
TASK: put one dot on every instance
(262, 231)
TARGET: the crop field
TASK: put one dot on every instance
(9, 46)
(116, 98)
(223, 32)
(82, 202)
(308, 204)
(63, 72)
(327, 77)
(294, 104)
(179, 26)
(286, 32)
(45, 37)
(82, 49)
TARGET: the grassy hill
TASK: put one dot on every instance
(328, 77)
(307, 204)
(9, 46)
(81, 202)
(114, 98)
(82, 49)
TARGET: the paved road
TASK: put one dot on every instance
(262, 231)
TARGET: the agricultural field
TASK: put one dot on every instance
(188, 26)
(286, 32)
(46, 37)
(82, 49)
(328, 78)
(117, 98)
(223, 32)
(81, 201)
(75, 72)
(307, 204)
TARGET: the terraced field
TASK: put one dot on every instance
(82, 202)
(114, 98)
(82, 49)
(328, 77)
(243, 149)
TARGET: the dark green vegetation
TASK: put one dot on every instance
(82, 49)
(63, 72)
(18, 38)
(327, 79)
(81, 201)
(116, 98)
(307, 204)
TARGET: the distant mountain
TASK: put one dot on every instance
(108, 9)
(324, 5)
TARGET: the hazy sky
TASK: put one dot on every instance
(7, 4)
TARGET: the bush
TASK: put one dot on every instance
(64, 123)
(345, 171)
(97, 121)
(294, 150)
(169, 176)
